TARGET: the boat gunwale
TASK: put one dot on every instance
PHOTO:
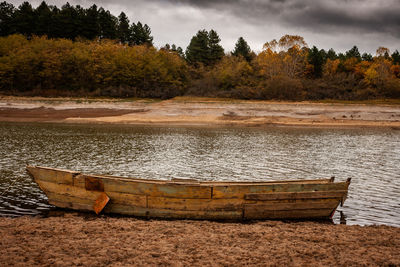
(190, 182)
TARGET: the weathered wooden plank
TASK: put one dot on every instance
(68, 190)
(261, 207)
(210, 183)
(79, 181)
(301, 200)
(173, 214)
(185, 180)
(52, 175)
(93, 184)
(239, 191)
(164, 189)
(79, 192)
(195, 204)
(251, 211)
(286, 214)
(72, 205)
(295, 195)
(71, 202)
(311, 181)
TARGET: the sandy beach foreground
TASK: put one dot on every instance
(74, 239)
(199, 111)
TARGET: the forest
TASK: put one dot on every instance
(76, 51)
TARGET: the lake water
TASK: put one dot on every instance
(371, 157)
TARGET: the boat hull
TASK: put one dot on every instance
(190, 199)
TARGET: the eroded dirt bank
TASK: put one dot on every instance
(199, 111)
(74, 240)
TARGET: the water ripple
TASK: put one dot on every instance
(370, 156)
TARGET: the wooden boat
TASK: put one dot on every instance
(189, 198)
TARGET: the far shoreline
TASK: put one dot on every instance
(198, 111)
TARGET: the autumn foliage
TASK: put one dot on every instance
(63, 67)
(76, 51)
(285, 69)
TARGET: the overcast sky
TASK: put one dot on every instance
(339, 24)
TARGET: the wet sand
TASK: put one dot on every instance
(76, 239)
(199, 111)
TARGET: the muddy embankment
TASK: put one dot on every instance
(199, 111)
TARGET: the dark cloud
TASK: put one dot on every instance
(325, 23)
(314, 15)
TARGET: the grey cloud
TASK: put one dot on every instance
(313, 15)
(326, 23)
(348, 17)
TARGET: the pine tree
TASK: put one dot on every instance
(124, 32)
(90, 24)
(141, 34)
(204, 48)
(44, 20)
(316, 58)
(353, 53)
(198, 49)
(331, 54)
(25, 19)
(7, 12)
(242, 49)
(366, 57)
(216, 51)
(108, 24)
(67, 22)
(396, 57)
(166, 47)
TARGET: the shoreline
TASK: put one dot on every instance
(199, 112)
(89, 240)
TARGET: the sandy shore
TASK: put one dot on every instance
(76, 240)
(199, 111)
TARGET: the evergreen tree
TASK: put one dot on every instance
(166, 47)
(204, 48)
(141, 34)
(353, 53)
(25, 19)
(216, 52)
(198, 49)
(396, 57)
(366, 57)
(67, 22)
(90, 28)
(124, 32)
(242, 49)
(316, 58)
(7, 12)
(44, 20)
(108, 24)
(173, 48)
(177, 50)
(331, 54)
